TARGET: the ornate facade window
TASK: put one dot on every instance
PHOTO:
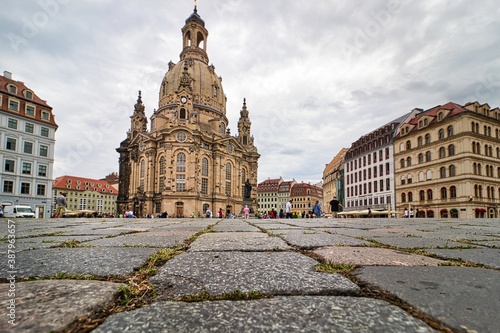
(204, 167)
(452, 170)
(451, 150)
(143, 168)
(162, 165)
(453, 192)
(427, 138)
(229, 173)
(181, 162)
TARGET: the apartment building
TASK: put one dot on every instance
(27, 141)
(447, 162)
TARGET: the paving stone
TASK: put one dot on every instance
(311, 239)
(279, 314)
(103, 232)
(237, 226)
(47, 306)
(158, 239)
(352, 232)
(487, 257)
(24, 244)
(493, 244)
(464, 298)
(273, 273)
(231, 241)
(276, 226)
(87, 261)
(417, 242)
(372, 256)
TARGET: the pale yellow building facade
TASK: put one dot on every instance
(447, 162)
(333, 180)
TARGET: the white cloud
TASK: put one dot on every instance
(316, 74)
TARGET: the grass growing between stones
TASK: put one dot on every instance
(371, 291)
(236, 295)
(70, 243)
(332, 268)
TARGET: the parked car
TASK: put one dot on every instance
(18, 211)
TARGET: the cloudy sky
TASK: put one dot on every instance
(317, 75)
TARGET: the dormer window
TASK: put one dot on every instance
(13, 105)
(440, 116)
(28, 94)
(12, 89)
(45, 115)
(426, 122)
(30, 110)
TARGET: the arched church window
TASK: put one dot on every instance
(181, 162)
(143, 168)
(204, 176)
(163, 165)
(222, 128)
(182, 113)
(243, 175)
(229, 173)
(204, 167)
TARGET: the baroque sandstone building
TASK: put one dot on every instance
(188, 161)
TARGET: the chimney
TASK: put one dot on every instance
(7, 75)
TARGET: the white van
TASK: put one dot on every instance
(18, 211)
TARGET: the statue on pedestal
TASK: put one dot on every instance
(248, 189)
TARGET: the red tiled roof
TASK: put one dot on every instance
(269, 185)
(83, 184)
(451, 107)
(21, 88)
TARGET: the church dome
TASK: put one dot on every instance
(195, 18)
(192, 75)
(205, 87)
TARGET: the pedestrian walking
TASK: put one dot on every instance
(288, 209)
(246, 212)
(335, 206)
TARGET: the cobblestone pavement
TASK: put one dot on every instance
(234, 275)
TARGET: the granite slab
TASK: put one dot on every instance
(280, 314)
(487, 257)
(272, 273)
(417, 242)
(157, 239)
(463, 298)
(314, 238)
(230, 241)
(372, 256)
(236, 226)
(48, 306)
(86, 261)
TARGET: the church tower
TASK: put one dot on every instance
(139, 121)
(188, 161)
(244, 124)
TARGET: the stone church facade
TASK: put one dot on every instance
(188, 161)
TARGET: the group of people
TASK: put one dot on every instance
(316, 210)
(409, 214)
(129, 214)
(220, 213)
